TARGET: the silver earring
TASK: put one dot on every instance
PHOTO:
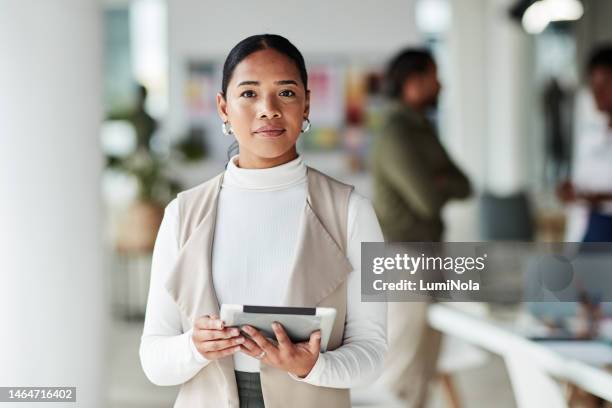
(226, 128)
(307, 128)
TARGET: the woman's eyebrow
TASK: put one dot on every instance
(286, 82)
(257, 83)
(248, 83)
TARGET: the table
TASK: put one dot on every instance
(559, 361)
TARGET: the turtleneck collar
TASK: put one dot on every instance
(273, 178)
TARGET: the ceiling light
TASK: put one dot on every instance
(536, 18)
(542, 12)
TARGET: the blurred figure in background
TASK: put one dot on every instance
(413, 178)
(555, 107)
(144, 124)
(592, 168)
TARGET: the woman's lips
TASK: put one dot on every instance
(269, 132)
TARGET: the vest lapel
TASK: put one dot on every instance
(191, 284)
(320, 265)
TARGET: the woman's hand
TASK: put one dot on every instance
(213, 340)
(295, 358)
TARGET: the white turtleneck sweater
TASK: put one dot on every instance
(255, 238)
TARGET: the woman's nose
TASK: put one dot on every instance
(269, 109)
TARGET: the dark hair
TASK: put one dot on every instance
(260, 42)
(409, 62)
(255, 43)
(600, 57)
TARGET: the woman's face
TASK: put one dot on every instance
(265, 104)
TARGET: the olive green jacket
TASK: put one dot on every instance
(413, 177)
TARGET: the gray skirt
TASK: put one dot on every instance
(249, 390)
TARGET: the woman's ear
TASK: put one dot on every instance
(307, 106)
(222, 106)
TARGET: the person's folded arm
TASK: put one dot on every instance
(359, 360)
(456, 184)
(406, 170)
(168, 356)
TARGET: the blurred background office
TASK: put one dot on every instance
(107, 111)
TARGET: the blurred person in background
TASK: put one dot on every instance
(591, 184)
(413, 179)
(267, 231)
(144, 124)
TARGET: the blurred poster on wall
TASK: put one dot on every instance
(356, 94)
(327, 103)
(201, 90)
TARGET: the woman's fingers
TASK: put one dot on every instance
(213, 340)
(207, 334)
(314, 344)
(251, 345)
(211, 322)
(217, 345)
(259, 339)
(250, 348)
(296, 358)
(213, 355)
(281, 335)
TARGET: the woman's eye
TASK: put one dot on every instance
(248, 94)
(287, 92)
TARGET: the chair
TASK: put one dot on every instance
(505, 218)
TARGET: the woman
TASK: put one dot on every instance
(271, 231)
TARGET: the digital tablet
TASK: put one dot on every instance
(299, 322)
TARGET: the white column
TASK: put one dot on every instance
(467, 88)
(52, 300)
(489, 94)
(508, 101)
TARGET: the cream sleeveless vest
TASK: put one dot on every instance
(318, 278)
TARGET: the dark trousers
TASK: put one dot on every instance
(249, 390)
(599, 228)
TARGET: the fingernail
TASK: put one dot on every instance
(235, 332)
(240, 340)
(276, 325)
(246, 328)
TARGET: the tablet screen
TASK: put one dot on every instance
(296, 327)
